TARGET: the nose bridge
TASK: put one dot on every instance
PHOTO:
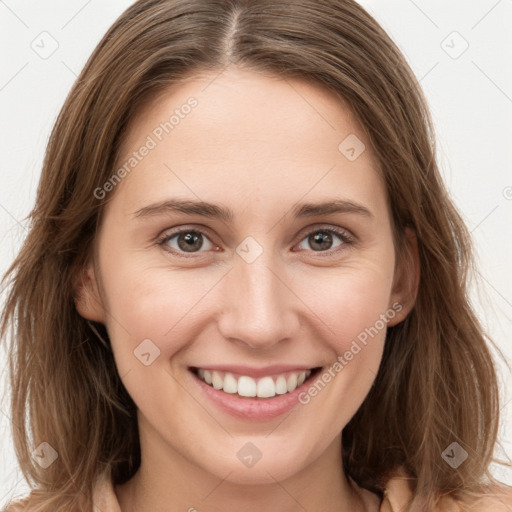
(258, 305)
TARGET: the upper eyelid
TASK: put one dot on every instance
(344, 234)
(166, 236)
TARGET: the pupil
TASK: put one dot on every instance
(189, 242)
(323, 239)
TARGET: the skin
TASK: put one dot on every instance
(258, 145)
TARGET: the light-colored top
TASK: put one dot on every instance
(397, 495)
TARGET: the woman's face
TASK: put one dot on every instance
(261, 285)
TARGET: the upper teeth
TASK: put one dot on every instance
(265, 387)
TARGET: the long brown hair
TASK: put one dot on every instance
(437, 383)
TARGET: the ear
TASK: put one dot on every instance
(406, 280)
(88, 301)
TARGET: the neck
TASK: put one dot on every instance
(168, 482)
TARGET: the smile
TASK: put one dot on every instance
(265, 387)
(253, 394)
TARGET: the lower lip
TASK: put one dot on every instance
(249, 408)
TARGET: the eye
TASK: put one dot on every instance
(193, 240)
(322, 240)
(186, 240)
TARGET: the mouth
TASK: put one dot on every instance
(265, 386)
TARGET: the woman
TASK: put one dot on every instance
(244, 287)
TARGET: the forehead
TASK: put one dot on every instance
(245, 135)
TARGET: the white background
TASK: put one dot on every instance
(470, 98)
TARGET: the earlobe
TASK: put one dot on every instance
(87, 297)
(407, 278)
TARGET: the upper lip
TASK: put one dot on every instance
(256, 372)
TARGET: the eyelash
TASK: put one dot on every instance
(344, 236)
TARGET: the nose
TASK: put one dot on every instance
(259, 306)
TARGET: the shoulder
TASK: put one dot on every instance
(496, 499)
(103, 496)
(398, 494)
(17, 506)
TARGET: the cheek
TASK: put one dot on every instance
(354, 307)
(349, 300)
(158, 304)
(168, 305)
(362, 318)
(357, 335)
(360, 334)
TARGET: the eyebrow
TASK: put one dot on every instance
(212, 210)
